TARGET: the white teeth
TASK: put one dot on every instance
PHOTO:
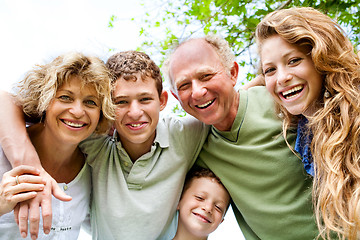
(205, 104)
(136, 125)
(295, 89)
(72, 124)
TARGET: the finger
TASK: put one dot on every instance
(23, 219)
(23, 169)
(34, 219)
(59, 194)
(23, 196)
(30, 179)
(16, 213)
(26, 187)
(46, 209)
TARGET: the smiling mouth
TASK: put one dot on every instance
(73, 124)
(135, 125)
(202, 217)
(205, 105)
(291, 93)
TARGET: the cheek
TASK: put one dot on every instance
(270, 85)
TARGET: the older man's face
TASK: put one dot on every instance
(204, 87)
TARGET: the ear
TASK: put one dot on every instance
(174, 94)
(234, 71)
(163, 99)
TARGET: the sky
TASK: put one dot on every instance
(36, 31)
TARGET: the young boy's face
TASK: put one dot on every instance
(202, 206)
(137, 110)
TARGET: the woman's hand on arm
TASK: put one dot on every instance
(18, 185)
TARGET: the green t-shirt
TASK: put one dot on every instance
(267, 182)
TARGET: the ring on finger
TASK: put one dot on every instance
(17, 180)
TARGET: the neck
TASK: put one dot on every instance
(183, 234)
(228, 121)
(136, 150)
(55, 157)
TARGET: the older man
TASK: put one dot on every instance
(267, 183)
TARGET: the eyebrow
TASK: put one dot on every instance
(198, 72)
(138, 95)
(72, 93)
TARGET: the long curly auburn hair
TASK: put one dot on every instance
(336, 124)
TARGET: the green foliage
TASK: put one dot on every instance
(166, 22)
(234, 20)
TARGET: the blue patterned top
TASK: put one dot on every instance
(303, 144)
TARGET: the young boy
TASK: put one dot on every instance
(202, 206)
(138, 173)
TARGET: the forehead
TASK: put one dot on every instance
(135, 86)
(210, 186)
(77, 84)
(193, 55)
(284, 47)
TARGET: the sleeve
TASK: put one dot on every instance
(190, 135)
(94, 145)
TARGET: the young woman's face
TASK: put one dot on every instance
(290, 75)
(74, 113)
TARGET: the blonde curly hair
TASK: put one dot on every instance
(35, 92)
(336, 124)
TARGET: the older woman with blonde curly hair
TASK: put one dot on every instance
(314, 76)
(70, 97)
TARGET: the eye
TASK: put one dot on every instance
(269, 71)
(121, 102)
(145, 99)
(294, 61)
(183, 86)
(64, 98)
(206, 77)
(90, 103)
(199, 198)
(218, 208)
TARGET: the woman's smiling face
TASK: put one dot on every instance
(290, 75)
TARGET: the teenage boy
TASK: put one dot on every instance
(138, 173)
(202, 206)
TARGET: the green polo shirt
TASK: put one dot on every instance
(267, 182)
(138, 200)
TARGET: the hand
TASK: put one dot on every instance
(31, 209)
(259, 80)
(18, 186)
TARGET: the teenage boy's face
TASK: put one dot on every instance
(202, 206)
(137, 110)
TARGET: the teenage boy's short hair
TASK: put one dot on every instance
(129, 63)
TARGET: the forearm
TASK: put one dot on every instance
(14, 139)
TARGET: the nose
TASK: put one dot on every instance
(207, 206)
(135, 110)
(283, 76)
(77, 109)
(198, 90)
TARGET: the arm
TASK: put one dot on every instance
(18, 186)
(12, 135)
(257, 81)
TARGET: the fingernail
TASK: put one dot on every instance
(23, 234)
(33, 237)
(46, 231)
